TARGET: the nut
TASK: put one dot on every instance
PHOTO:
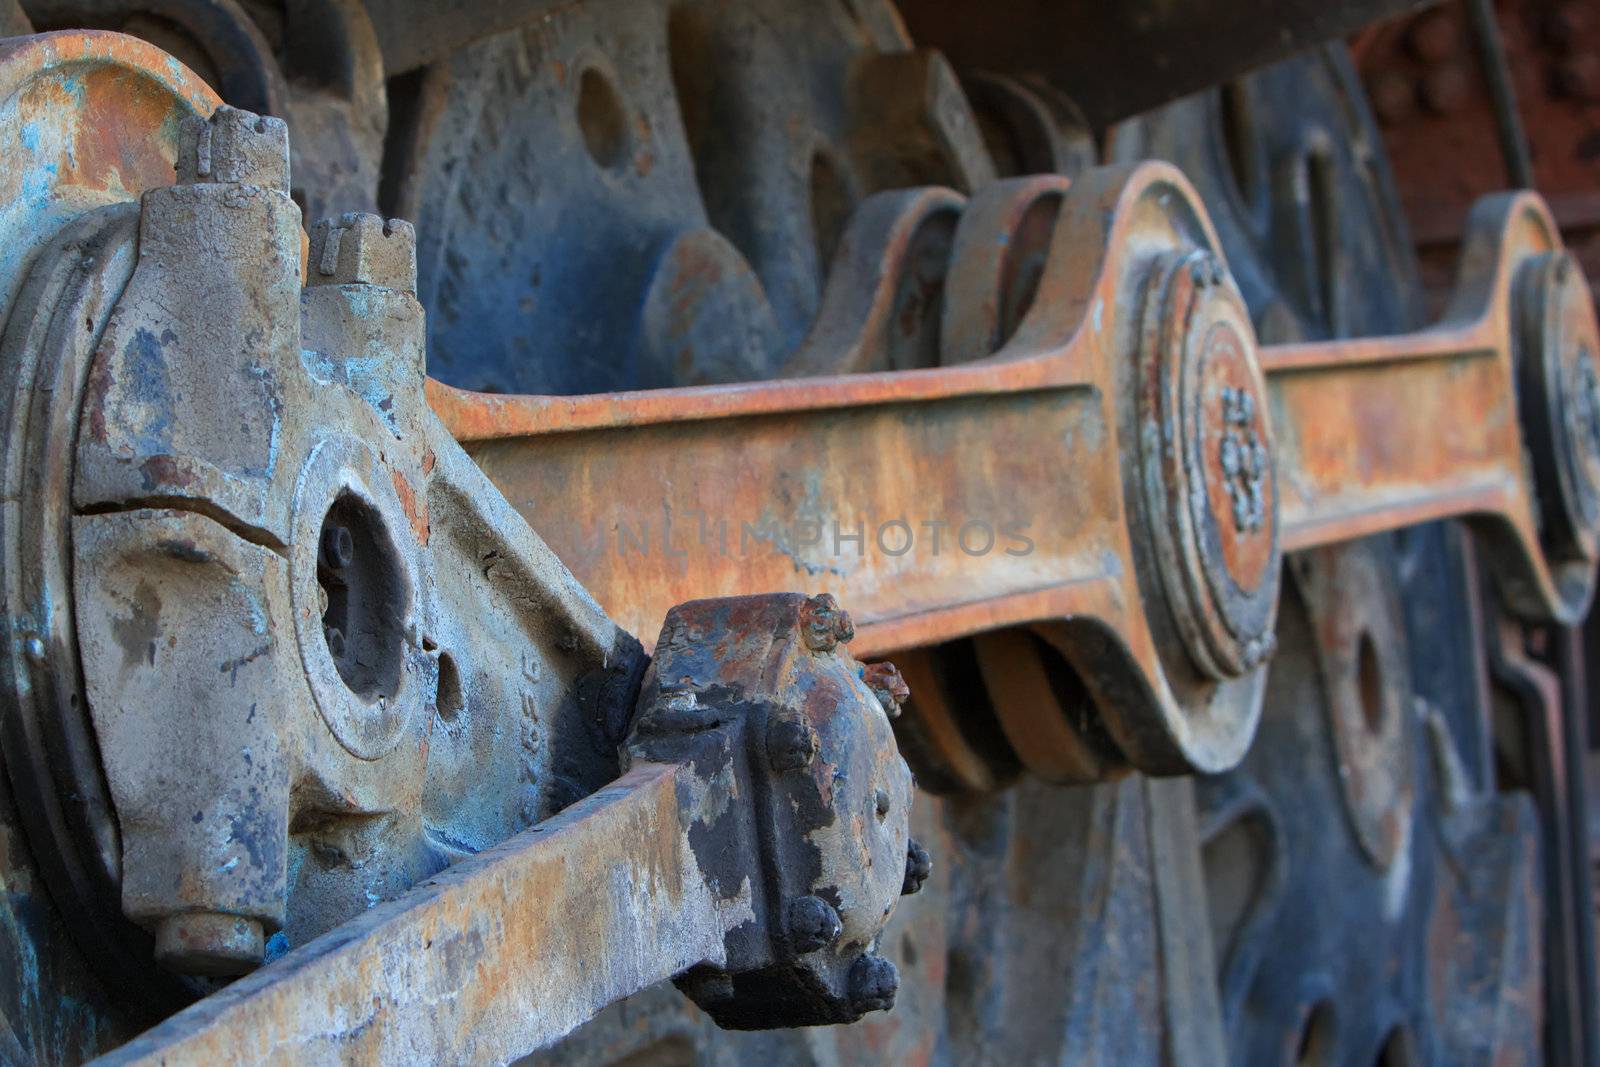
(824, 624)
(362, 249)
(338, 547)
(888, 686)
(791, 743)
(234, 146)
(873, 984)
(918, 866)
(811, 923)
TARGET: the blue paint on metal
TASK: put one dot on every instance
(149, 387)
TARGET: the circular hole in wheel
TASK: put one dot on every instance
(1316, 1037)
(1240, 145)
(365, 598)
(831, 204)
(1369, 680)
(451, 697)
(602, 120)
(1398, 1050)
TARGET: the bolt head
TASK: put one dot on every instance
(338, 547)
(918, 866)
(791, 743)
(824, 625)
(874, 981)
(362, 249)
(234, 146)
(811, 923)
(1260, 650)
(888, 686)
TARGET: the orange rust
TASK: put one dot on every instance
(124, 98)
(1366, 435)
(416, 511)
(918, 445)
(1370, 434)
(1377, 433)
(529, 922)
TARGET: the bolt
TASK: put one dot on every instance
(1243, 459)
(791, 743)
(1446, 89)
(1582, 402)
(1433, 37)
(918, 866)
(234, 146)
(34, 649)
(338, 547)
(335, 638)
(824, 624)
(1260, 650)
(873, 984)
(811, 923)
(886, 684)
(362, 249)
(1205, 269)
(209, 943)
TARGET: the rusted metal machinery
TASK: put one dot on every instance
(424, 634)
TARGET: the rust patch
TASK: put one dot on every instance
(416, 511)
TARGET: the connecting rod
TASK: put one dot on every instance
(1103, 453)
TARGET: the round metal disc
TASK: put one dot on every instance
(88, 122)
(87, 119)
